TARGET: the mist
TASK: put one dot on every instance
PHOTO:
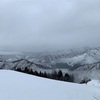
(38, 25)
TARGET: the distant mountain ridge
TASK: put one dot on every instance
(73, 59)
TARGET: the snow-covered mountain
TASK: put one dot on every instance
(74, 59)
(22, 64)
(89, 67)
(51, 57)
(89, 57)
(20, 86)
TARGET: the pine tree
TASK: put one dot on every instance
(66, 77)
(60, 75)
(45, 75)
(54, 75)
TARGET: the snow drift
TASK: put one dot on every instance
(20, 86)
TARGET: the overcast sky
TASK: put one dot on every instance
(35, 25)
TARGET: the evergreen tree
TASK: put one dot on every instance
(40, 74)
(31, 71)
(60, 75)
(66, 77)
(71, 78)
(54, 75)
(19, 69)
(26, 70)
(45, 75)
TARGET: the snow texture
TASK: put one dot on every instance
(20, 86)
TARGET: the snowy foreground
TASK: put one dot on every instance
(20, 86)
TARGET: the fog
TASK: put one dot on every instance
(37, 25)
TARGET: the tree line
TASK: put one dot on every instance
(57, 75)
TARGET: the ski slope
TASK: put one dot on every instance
(20, 86)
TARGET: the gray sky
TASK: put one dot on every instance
(35, 25)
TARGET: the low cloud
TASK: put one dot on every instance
(35, 25)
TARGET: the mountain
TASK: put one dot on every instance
(20, 86)
(73, 59)
(89, 57)
(22, 63)
(51, 57)
(89, 67)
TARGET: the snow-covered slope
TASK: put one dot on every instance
(89, 67)
(95, 83)
(20, 86)
(89, 57)
(22, 64)
(71, 57)
(60, 55)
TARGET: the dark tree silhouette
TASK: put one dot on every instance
(66, 77)
(45, 74)
(54, 75)
(60, 75)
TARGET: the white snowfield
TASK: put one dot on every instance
(20, 86)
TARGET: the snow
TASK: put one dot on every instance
(89, 57)
(95, 83)
(20, 86)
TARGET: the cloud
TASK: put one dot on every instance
(29, 25)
